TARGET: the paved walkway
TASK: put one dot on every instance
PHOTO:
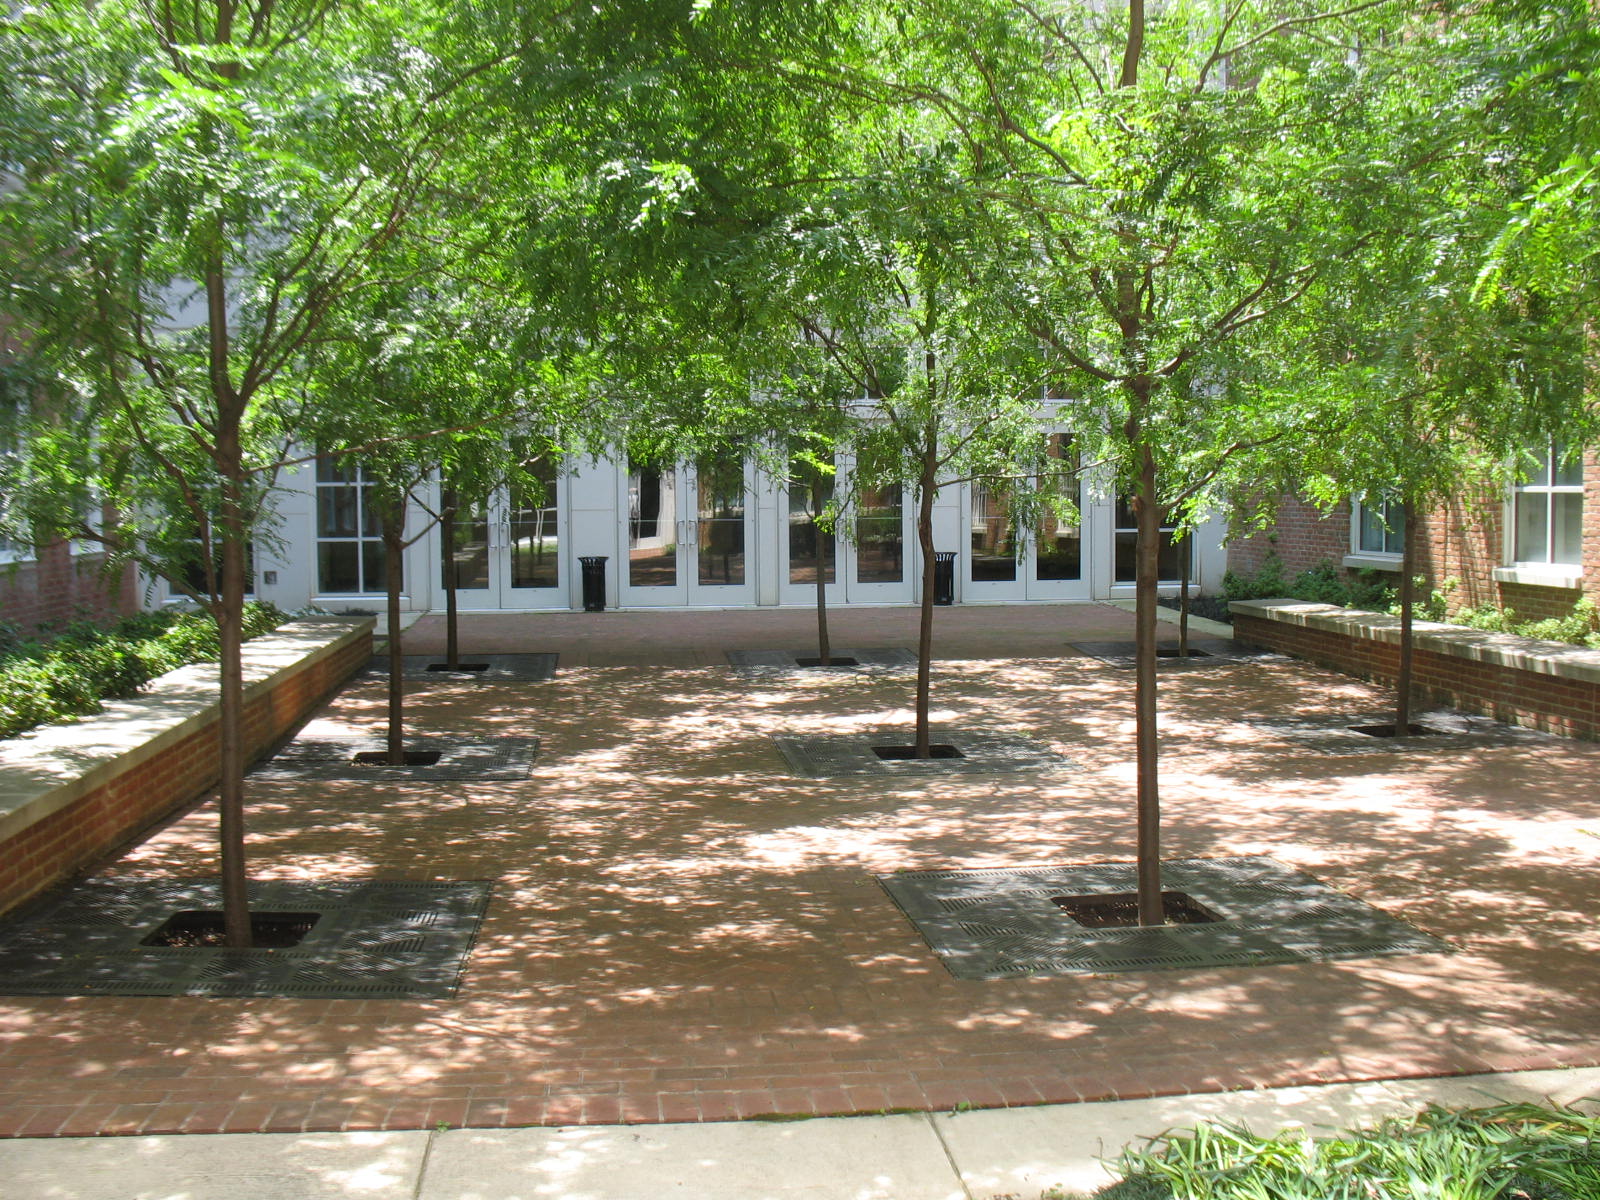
(682, 932)
(990, 1154)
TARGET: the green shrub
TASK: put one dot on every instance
(1266, 583)
(44, 681)
(1580, 627)
(1513, 1151)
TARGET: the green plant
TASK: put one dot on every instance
(1266, 582)
(69, 675)
(1580, 627)
(1514, 1151)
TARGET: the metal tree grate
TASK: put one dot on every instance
(981, 753)
(324, 757)
(372, 938)
(497, 668)
(1206, 650)
(776, 664)
(1444, 730)
(1000, 924)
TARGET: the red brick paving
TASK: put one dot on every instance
(680, 931)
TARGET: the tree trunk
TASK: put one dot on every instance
(1402, 685)
(447, 531)
(230, 723)
(1147, 548)
(824, 650)
(1183, 596)
(394, 517)
(926, 490)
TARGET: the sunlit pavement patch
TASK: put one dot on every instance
(1003, 923)
(769, 664)
(460, 758)
(980, 753)
(372, 938)
(1203, 651)
(498, 668)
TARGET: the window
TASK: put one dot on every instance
(1378, 526)
(1547, 518)
(350, 555)
(1127, 535)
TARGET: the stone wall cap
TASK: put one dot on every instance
(47, 768)
(1558, 659)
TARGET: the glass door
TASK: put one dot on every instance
(878, 563)
(807, 548)
(687, 534)
(507, 552)
(1043, 563)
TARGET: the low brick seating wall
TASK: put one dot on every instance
(71, 793)
(1550, 686)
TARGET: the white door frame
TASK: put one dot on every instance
(501, 595)
(694, 564)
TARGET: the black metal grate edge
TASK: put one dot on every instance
(375, 938)
(313, 756)
(999, 923)
(983, 753)
(499, 668)
(778, 664)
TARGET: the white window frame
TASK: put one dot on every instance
(1363, 558)
(1545, 572)
(361, 487)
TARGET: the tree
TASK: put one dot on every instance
(202, 189)
(948, 391)
(1163, 183)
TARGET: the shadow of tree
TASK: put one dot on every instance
(682, 930)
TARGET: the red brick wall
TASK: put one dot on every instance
(61, 586)
(1303, 537)
(1564, 706)
(1464, 540)
(85, 830)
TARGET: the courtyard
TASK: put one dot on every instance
(683, 929)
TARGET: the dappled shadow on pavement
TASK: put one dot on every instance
(682, 930)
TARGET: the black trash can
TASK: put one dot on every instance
(944, 577)
(594, 582)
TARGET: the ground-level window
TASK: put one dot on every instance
(1547, 521)
(350, 554)
(1379, 524)
(1126, 531)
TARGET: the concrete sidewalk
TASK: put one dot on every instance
(993, 1154)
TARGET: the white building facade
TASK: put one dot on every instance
(715, 534)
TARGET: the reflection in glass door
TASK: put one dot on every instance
(720, 523)
(809, 549)
(878, 554)
(507, 553)
(533, 528)
(653, 526)
(688, 534)
(1046, 562)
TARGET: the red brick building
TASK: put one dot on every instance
(1533, 548)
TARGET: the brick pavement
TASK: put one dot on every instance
(681, 931)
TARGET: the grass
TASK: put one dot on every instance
(1508, 1152)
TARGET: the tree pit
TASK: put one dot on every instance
(201, 928)
(1120, 910)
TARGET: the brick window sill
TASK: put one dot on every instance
(1541, 576)
(1372, 562)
